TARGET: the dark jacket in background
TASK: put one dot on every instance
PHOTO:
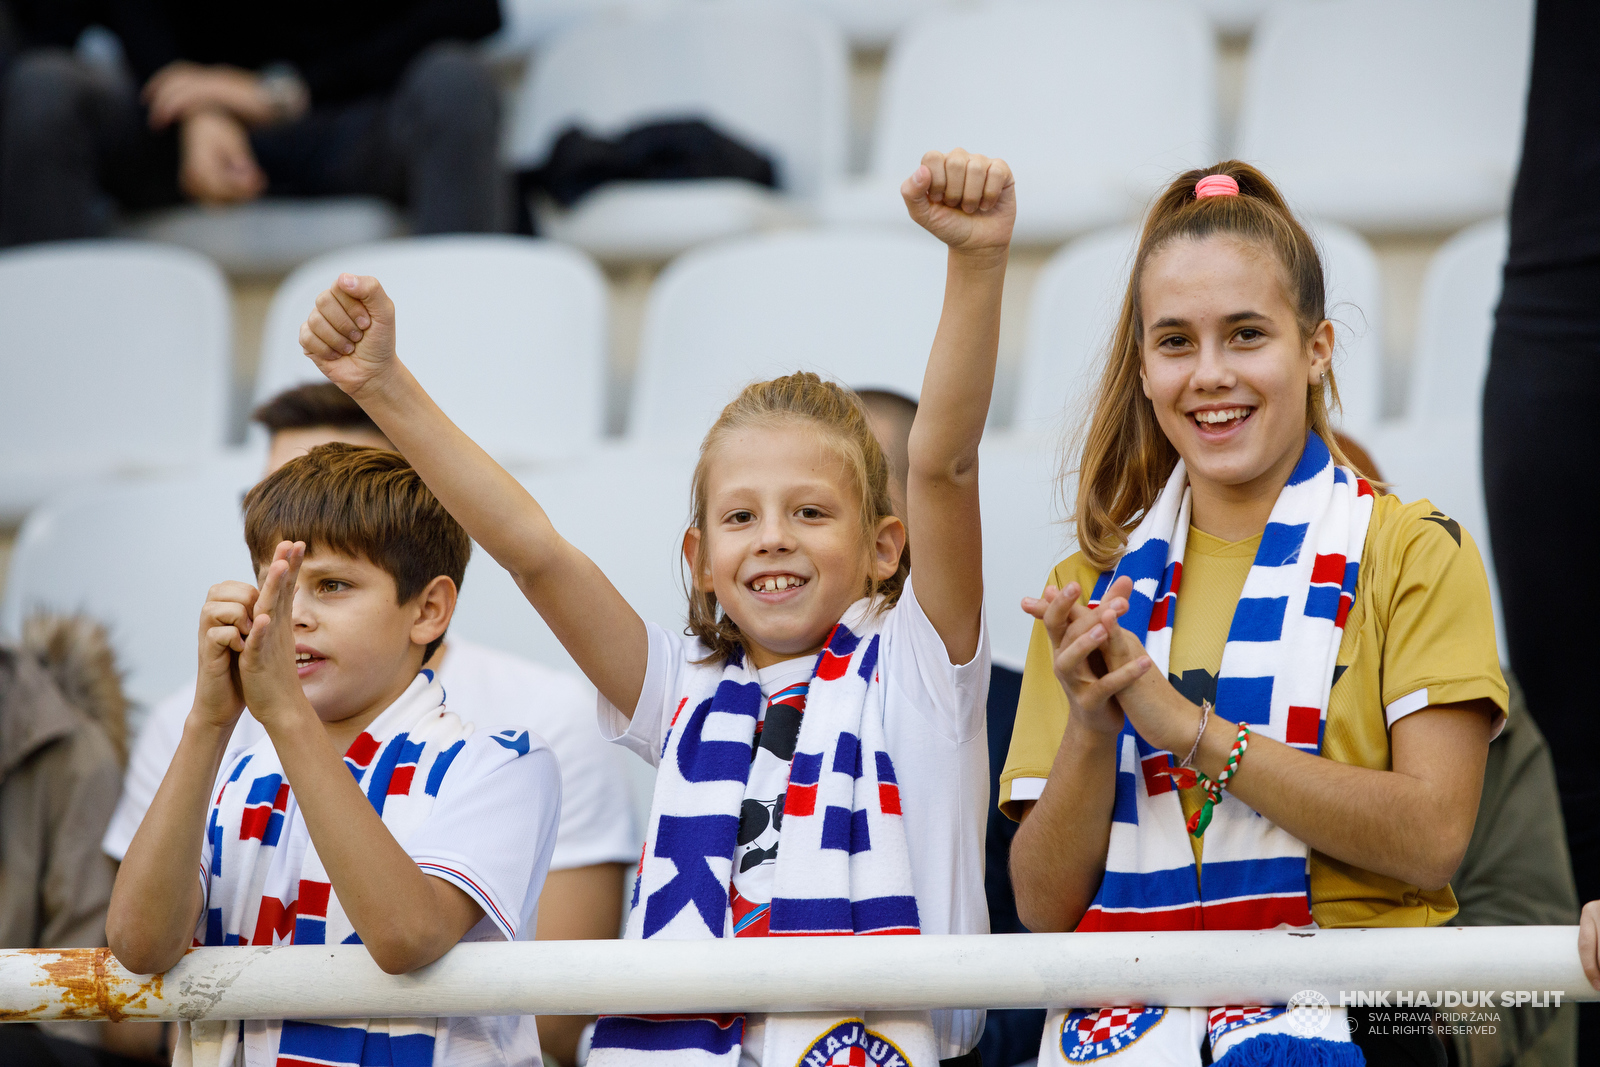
(343, 51)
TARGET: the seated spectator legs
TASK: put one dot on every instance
(70, 134)
(430, 145)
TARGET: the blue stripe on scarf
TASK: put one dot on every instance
(811, 915)
(666, 1035)
(1285, 1050)
(1280, 544)
(1312, 460)
(1240, 878)
(884, 913)
(1258, 619)
(1152, 889)
(718, 761)
(378, 784)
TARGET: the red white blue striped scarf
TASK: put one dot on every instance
(1276, 673)
(400, 761)
(843, 868)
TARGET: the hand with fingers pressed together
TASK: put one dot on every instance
(267, 675)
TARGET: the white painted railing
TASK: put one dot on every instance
(801, 974)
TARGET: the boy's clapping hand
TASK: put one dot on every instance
(967, 201)
(350, 333)
(267, 675)
(224, 624)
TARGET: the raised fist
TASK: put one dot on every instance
(969, 202)
(349, 335)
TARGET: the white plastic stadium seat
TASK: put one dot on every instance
(1234, 17)
(273, 235)
(858, 306)
(138, 556)
(507, 333)
(640, 556)
(1087, 129)
(1079, 294)
(872, 23)
(1409, 119)
(115, 357)
(528, 24)
(1022, 502)
(773, 78)
(1436, 449)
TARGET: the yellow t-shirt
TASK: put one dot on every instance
(1420, 632)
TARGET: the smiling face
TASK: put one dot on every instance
(784, 550)
(1226, 366)
(356, 647)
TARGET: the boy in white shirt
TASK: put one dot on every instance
(598, 837)
(369, 813)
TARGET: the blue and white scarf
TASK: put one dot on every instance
(400, 761)
(1276, 673)
(843, 868)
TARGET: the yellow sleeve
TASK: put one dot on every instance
(1438, 643)
(1042, 707)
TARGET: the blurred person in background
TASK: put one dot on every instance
(61, 754)
(1544, 369)
(596, 839)
(229, 102)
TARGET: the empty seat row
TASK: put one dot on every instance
(510, 334)
(1409, 121)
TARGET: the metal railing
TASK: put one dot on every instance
(803, 974)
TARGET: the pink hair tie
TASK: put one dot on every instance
(1215, 185)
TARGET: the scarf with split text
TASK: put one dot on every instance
(399, 761)
(843, 868)
(1277, 670)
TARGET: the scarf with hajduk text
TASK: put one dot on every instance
(1276, 674)
(399, 761)
(843, 868)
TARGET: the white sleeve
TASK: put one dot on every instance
(597, 822)
(663, 673)
(950, 696)
(493, 827)
(147, 765)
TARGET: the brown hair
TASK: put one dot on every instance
(314, 404)
(836, 413)
(1126, 458)
(364, 502)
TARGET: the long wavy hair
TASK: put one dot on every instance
(836, 414)
(1125, 458)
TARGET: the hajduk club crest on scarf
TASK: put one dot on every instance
(400, 761)
(1276, 673)
(843, 868)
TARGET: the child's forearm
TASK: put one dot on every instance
(406, 919)
(599, 629)
(157, 899)
(942, 480)
(1058, 857)
(959, 381)
(496, 511)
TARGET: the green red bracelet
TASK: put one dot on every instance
(1202, 818)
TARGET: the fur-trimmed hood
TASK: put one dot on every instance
(75, 652)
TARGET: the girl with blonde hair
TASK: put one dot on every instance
(824, 699)
(1259, 695)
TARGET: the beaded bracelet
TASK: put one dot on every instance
(1202, 818)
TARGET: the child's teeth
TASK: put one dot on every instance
(783, 583)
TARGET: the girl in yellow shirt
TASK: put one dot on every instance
(1329, 665)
